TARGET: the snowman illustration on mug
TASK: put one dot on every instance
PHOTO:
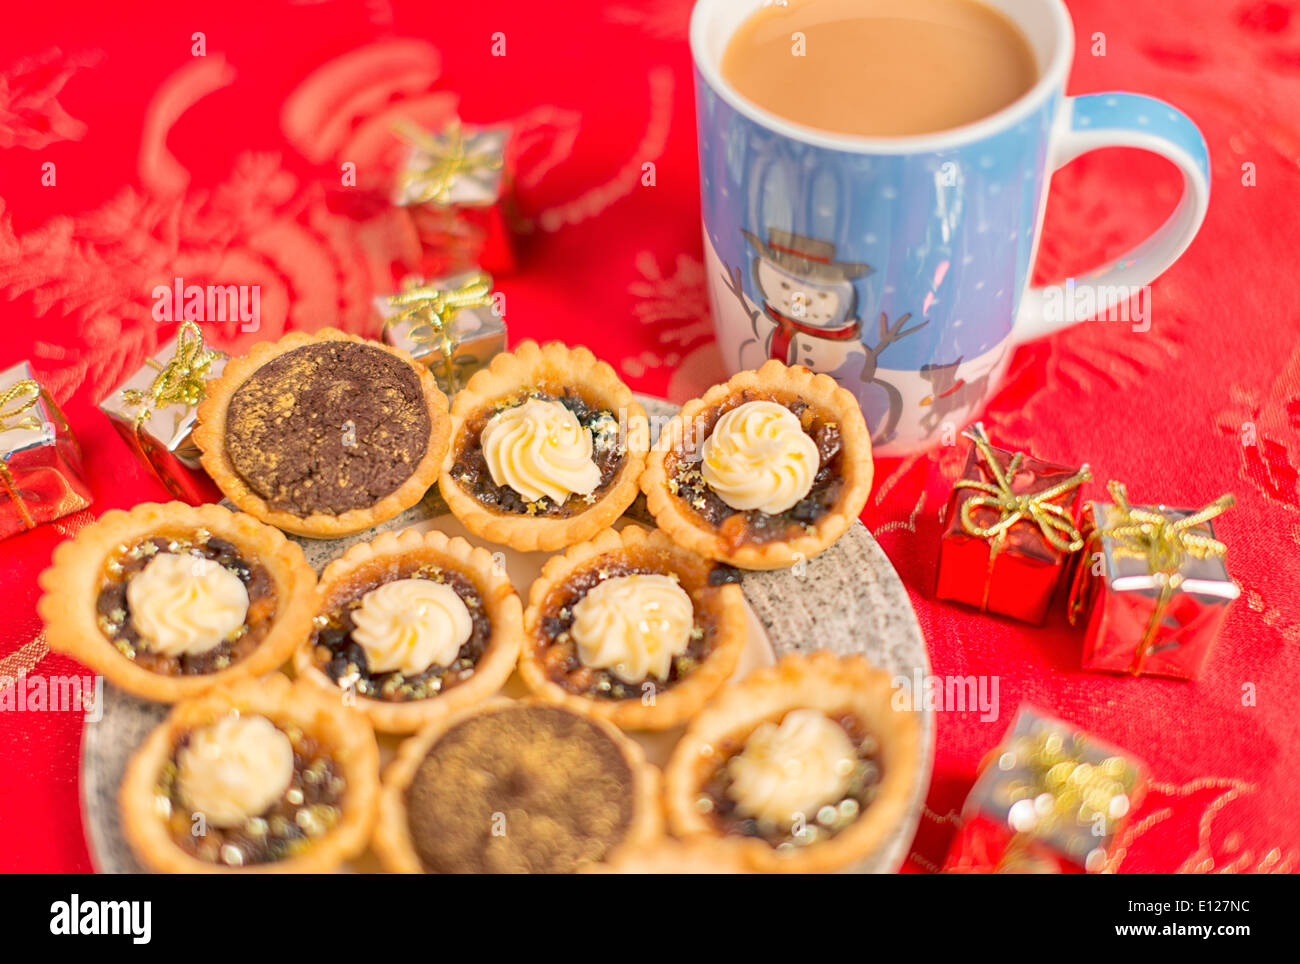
(808, 316)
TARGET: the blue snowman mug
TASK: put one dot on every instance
(901, 265)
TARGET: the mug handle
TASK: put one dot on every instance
(1093, 121)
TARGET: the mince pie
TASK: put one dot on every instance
(547, 446)
(323, 435)
(170, 599)
(260, 776)
(515, 787)
(632, 628)
(412, 627)
(805, 763)
(765, 470)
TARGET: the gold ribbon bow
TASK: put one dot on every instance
(1079, 794)
(180, 380)
(432, 309)
(1165, 544)
(447, 160)
(1054, 520)
(16, 405)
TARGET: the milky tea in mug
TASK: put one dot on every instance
(873, 176)
(879, 67)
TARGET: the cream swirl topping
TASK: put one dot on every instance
(759, 457)
(234, 769)
(540, 449)
(184, 605)
(794, 768)
(409, 625)
(633, 626)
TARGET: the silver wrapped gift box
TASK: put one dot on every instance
(156, 408)
(41, 476)
(449, 324)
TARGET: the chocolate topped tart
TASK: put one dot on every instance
(324, 434)
(516, 787)
(327, 427)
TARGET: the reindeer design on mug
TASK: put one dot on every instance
(949, 393)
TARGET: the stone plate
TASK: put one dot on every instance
(849, 599)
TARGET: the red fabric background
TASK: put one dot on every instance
(217, 169)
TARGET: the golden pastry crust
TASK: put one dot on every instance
(392, 839)
(669, 856)
(72, 584)
(351, 743)
(774, 379)
(368, 561)
(673, 705)
(818, 681)
(559, 366)
(210, 436)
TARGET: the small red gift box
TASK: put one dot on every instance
(1050, 799)
(40, 461)
(456, 184)
(984, 846)
(1152, 586)
(1010, 529)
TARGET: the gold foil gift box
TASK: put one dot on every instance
(155, 410)
(449, 324)
(1050, 799)
(41, 476)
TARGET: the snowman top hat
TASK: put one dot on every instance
(805, 257)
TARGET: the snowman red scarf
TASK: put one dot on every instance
(782, 342)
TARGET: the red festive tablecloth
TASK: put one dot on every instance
(220, 169)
